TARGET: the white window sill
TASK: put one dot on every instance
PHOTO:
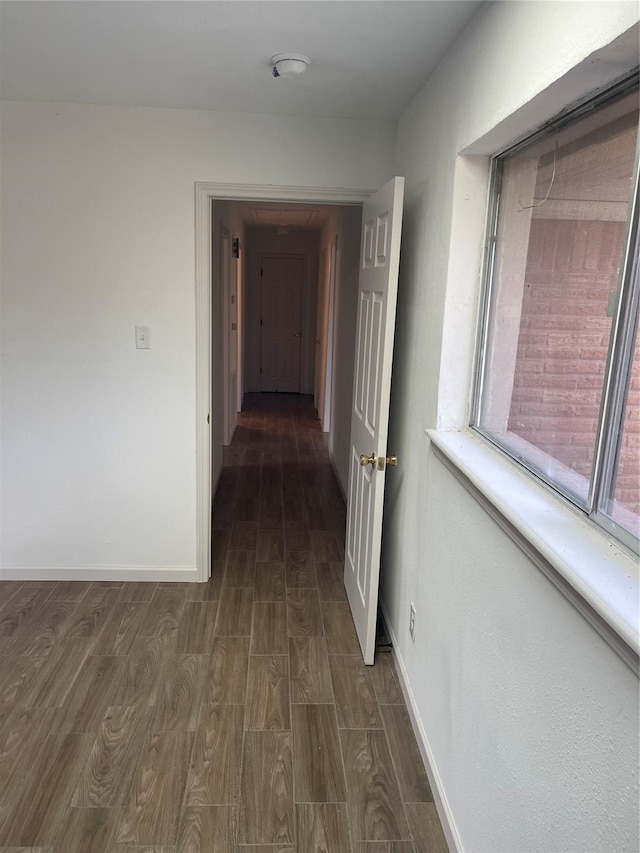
(600, 578)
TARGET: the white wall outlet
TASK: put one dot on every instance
(143, 338)
(412, 621)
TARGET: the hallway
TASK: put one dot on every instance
(215, 718)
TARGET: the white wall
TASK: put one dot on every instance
(530, 719)
(97, 438)
(265, 241)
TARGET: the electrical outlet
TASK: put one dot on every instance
(412, 621)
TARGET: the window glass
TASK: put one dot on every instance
(563, 205)
(623, 506)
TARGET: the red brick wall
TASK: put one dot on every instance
(628, 481)
(562, 348)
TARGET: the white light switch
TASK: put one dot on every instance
(143, 340)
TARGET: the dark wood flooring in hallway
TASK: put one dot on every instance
(229, 717)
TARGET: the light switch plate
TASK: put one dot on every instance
(143, 338)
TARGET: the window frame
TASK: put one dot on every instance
(624, 326)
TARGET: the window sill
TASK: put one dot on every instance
(597, 575)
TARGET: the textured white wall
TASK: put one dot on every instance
(530, 719)
(97, 438)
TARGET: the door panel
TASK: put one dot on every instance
(281, 314)
(378, 287)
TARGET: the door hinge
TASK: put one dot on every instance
(261, 272)
(260, 371)
(260, 322)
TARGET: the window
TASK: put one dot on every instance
(558, 371)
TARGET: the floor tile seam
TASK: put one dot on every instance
(293, 747)
(271, 730)
(19, 586)
(268, 654)
(184, 798)
(332, 705)
(397, 779)
(71, 600)
(369, 682)
(136, 601)
(360, 728)
(241, 769)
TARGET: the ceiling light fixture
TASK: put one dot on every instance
(289, 64)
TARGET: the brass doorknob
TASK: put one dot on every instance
(391, 460)
(367, 460)
(297, 334)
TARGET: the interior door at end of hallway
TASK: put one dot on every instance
(281, 317)
(377, 296)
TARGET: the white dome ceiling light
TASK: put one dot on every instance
(289, 64)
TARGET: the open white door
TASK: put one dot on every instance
(377, 293)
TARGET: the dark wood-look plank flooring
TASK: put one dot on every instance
(229, 717)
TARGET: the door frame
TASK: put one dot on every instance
(331, 320)
(224, 264)
(205, 193)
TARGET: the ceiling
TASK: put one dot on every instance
(369, 57)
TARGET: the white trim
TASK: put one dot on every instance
(203, 384)
(205, 192)
(327, 413)
(186, 574)
(593, 572)
(439, 797)
(224, 271)
(271, 192)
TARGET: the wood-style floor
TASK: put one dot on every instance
(229, 717)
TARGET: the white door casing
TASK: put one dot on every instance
(377, 294)
(229, 342)
(281, 284)
(325, 334)
(320, 348)
(331, 321)
(232, 409)
(207, 358)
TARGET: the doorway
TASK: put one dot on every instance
(209, 332)
(280, 261)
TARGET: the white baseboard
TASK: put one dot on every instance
(439, 796)
(185, 574)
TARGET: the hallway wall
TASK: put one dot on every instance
(98, 438)
(345, 224)
(529, 719)
(223, 214)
